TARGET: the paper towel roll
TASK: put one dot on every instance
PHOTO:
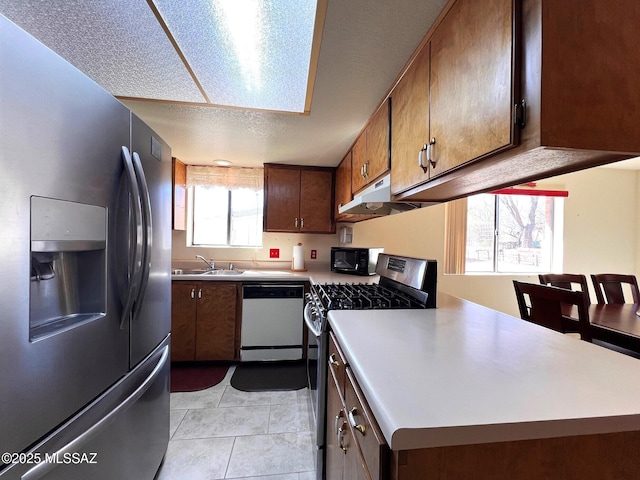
(298, 258)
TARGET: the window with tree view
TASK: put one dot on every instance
(225, 206)
(510, 233)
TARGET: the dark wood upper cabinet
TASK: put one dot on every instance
(371, 150)
(410, 124)
(359, 159)
(471, 89)
(298, 199)
(454, 104)
(518, 91)
(343, 182)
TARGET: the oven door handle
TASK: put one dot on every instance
(308, 321)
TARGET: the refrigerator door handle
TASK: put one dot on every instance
(135, 259)
(75, 445)
(147, 232)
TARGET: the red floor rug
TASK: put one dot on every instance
(191, 378)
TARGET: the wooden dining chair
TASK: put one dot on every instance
(543, 305)
(609, 287)
(566, 280)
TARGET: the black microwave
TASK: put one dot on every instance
(355, 261)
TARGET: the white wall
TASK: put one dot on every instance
(181, 255)
(601, 234)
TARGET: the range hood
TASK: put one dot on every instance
(376, 200)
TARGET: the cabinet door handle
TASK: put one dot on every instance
(352, 420)
(193, 293)
(301, 222)
(199, 293)
(333, 361)
(366, 169)
(337, 420)
(340, 437)
(296, 222)
(420, 155)
(430, 159)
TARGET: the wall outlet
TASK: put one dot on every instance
(274, 253)
(314, 254)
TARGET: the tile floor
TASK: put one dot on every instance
(222, 433)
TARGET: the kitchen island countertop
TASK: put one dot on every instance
(464, 374)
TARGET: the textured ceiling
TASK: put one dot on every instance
(121, 45)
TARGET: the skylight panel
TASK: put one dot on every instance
(246, 53)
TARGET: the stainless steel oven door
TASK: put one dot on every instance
(317, 357)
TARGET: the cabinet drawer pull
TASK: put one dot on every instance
(333, 361)
(352, 420)
(340, 437)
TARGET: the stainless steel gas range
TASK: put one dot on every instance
(405, 283)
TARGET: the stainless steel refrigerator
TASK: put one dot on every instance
(85, 253)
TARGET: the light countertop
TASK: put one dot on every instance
(317, 276)
(464, 374)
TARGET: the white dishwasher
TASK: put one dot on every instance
(272, 320)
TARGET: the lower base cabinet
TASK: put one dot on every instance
(355, 447)
(205, 321)
(343, 457)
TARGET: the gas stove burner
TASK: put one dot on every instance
(363, 296)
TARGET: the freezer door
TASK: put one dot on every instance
(122, 435)
(61, 136)
(151, 313)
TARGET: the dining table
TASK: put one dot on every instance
(611, 323)
(617, 324)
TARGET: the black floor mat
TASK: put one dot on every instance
(265, 376)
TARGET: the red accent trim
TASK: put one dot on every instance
(528, 191)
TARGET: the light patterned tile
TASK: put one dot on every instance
(286, 476)
(303, 395)
(307, 476)
(237, 398)
(209, 398)
(289, 418)
(223, 422)
(278, 454)
(270, 429)
(199, 459)
(175, 418)
(227, 379)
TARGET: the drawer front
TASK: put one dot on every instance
(366, 431)
(337, 364)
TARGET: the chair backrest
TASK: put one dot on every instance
(566, 280)
(608, 287)
(545, 307)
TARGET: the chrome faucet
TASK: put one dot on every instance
(211, 263)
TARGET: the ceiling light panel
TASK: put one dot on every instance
(121, 45)
(246, 53)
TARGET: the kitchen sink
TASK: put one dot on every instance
(223, 272)
(205, 271)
